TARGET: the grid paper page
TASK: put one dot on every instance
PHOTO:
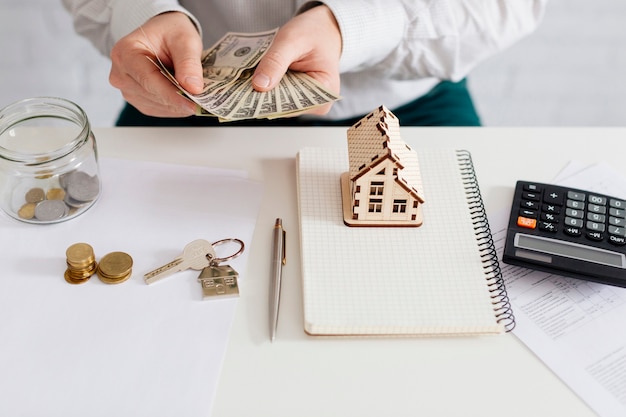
(395, 280)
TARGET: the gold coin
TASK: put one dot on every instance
(35, 195)
(79, 253)
(81, 263)
(114, 280)
(89, 265)
(55, 194)
(115, 267)
(27, 211)
(73, 280)
(82, 272)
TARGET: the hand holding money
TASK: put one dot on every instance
(228, 93)
(141, 83)
(309, 43)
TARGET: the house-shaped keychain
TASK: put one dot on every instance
(383, 186)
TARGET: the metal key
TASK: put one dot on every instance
(197, 255)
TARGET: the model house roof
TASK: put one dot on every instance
(376, 138)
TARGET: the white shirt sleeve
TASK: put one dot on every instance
(405, 39)
(104, 22)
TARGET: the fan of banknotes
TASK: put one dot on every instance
(227, 69)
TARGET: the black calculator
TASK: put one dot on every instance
(566, 231)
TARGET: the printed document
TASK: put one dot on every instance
(576, 327)
(130, 349)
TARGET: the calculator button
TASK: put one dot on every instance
(574, 195)
(595, 236)
(569, 221)
(551, 208)
(553, 196)
(579, 214)
(620, 204)
(615, 212)
(549, 217)
(596, 199)
(526, 223)
(532, 187)
(531, 196)
(531, 205)
(617, 240)
(532, 214)
(596, 208)
(579, 205)
(617, 231)
(598, 227)
(548, 227)
(573, 231)
(616, 221)
(595, 217)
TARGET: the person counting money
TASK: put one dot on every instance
(412, 56)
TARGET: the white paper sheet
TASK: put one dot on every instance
(576, 327)
(129, 349)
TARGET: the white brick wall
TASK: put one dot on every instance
(568, 73)
(42, 56)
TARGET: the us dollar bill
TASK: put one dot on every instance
(227, 69)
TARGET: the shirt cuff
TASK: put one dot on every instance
(370, 30)
(129, 15)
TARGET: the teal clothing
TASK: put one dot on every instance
(447, 104)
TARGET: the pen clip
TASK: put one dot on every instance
(284, 249)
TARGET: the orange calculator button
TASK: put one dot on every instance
(526, 222)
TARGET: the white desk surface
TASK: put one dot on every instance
(300, 375)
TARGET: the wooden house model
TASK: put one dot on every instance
(383, 186)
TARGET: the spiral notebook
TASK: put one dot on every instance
(442, 278)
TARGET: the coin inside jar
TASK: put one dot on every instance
(82, 187)
(55, 194)
(49, 210)
(35, 195)
(27, 211)
(115, 267)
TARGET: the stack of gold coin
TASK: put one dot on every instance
(81, 263)
(115, 267)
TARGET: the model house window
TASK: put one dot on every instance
(376, 205)
(377, 187)
(399, 206)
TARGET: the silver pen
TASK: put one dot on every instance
(278, 260)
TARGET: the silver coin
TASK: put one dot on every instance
(74, 203)
(82, 187)
(63, 179)
(49, 210)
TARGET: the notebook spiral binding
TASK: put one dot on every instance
(499, 296)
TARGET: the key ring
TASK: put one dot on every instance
(217, 261)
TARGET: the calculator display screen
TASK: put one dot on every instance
(569, 250)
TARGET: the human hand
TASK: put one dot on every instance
(311, 43)
(178, 44)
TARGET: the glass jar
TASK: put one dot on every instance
(48, 161)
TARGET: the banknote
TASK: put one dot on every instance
(227, 69)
